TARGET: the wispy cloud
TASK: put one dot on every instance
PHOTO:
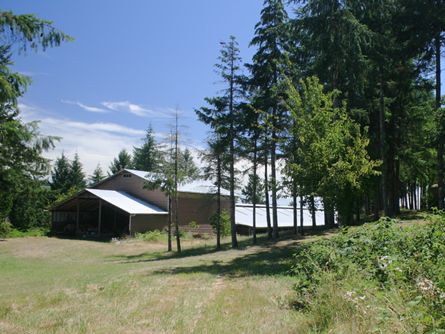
(94, 142)
(135, 109)
(85, 107)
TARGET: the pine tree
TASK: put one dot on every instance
(217, 170)
(269, 65)
(76, 174)
(97, 176)
(187, 166)
(253, 192)
(61, 175)
(122, 161)
(21, 148)
(224, 116)
(147, 157)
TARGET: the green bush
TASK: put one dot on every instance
(5, 228)
(32, 232)
(384, 262)
(155, 235)
(224, 221)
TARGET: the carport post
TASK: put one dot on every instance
(77, 215)
(115, 221)
(129, 223)
(100, 217)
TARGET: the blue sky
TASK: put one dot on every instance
(130, 64)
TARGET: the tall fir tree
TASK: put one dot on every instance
(122, 161)
(76, 173)
(269, 65)
(148, 156)
(97, 176)
(224, 117)
(60, 176)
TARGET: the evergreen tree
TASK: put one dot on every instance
(122, 161)
(224, 113)
(61, 181)
(147, 157)
(217, 169)
(21, 160)
(269, 66)
(253, 192)
(97, 176)
(187, 166)
(76, 174)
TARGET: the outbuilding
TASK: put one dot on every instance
(122, 204)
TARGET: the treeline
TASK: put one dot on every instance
(341, 97)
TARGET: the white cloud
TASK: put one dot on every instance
(132, 108)
(94, 142)
(85, 107)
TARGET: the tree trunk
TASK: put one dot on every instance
(301, 215)
(294, 206)
(384, 178)
(274, 181)
(415, 196)
(178, 238)
(218, 209)
(440, 146)
(254, 190)
(170, 213)
(312, 203)
(232, 158)
(266, 190)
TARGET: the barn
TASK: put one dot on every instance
(122, 205)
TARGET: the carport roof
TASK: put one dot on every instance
(126, 202)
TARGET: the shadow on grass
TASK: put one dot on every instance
(270, 257)
(105, 239)
(270, 261)
(411, 215)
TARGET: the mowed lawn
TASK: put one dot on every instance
(50, 285)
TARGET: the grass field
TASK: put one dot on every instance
(50, 285)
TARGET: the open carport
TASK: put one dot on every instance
(97, 212)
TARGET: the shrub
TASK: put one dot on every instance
(155, 235)
(384, 262)
(32, 232)
(5, 228)
(224, 223)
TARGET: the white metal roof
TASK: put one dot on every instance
(197, 186)
(127, 203)
(244, 215)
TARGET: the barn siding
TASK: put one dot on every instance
(144, 223)
(198, 208)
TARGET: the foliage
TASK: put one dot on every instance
(187, 166)
(67, 175)
(193, 225)
(31, 232)
(148, 156)
(382, 256)
(331, 159)
(98, 175)
(155, 235)
(21, 160)
(248, 193)
(5, 228)
(30, 207)
(122, 161)
(224, 223)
